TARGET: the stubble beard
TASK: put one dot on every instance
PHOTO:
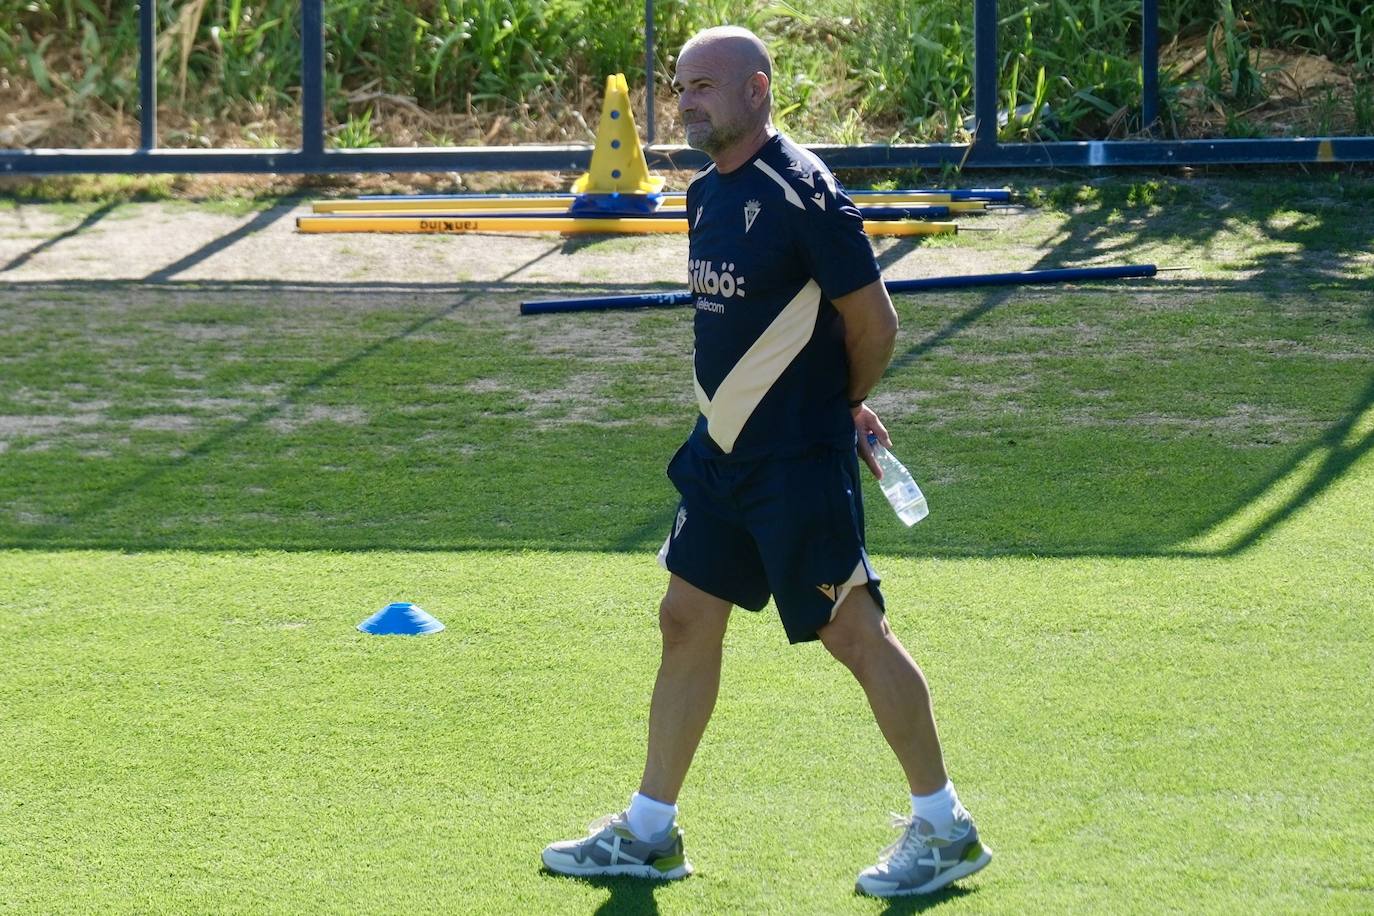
(713, 139)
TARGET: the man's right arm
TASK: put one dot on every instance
(870, 333)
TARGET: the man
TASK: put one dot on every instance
(793, 329)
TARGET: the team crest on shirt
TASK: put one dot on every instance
(752, 209)
(698, 219)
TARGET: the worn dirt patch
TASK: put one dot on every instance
(188, 258)
(293, 417)
(1243, 423)
(31, 426)
(179, 423)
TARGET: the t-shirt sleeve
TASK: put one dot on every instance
(832, 242)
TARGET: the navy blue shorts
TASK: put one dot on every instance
(790, 528)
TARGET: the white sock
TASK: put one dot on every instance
(649, 818)
(940, 809)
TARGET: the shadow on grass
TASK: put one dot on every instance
(280, 208)
(87, 222)
(629, 896)
(919, 904)
(340, 288)
(588, 487)
(297, 394)
(1293, 486)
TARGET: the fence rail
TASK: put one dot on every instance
(985, 150)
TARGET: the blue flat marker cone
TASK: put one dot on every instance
(400, 619)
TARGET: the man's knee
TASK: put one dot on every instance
(688, 617)
(857, 630)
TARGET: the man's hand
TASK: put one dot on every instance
(865, 422)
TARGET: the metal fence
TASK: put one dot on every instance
(985, 150)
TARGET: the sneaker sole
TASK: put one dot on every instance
(944, 879)
(618, 871)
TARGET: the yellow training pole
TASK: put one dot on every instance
(633, 226)
(670, 202)
(491, 204)
(478, 223)
(908, 227)
(398, 209)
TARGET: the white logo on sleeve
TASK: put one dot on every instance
(697, 221)
(681, 520)
(751, 211)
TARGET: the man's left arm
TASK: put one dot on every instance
(870, 332)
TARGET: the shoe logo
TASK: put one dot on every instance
(681, 520)
(751, 211)
(696, 222)
(829, 591)
(818, 200)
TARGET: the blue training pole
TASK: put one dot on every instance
(1014, 278)
(991, 195)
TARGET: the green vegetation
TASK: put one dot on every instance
(1142, 596)
(889, 69)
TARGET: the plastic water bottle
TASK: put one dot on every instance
(898, 486)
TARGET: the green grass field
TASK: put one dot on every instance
(1144, 597)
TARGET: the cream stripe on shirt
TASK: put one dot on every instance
(762, 365)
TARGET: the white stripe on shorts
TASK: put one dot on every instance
(863, 574)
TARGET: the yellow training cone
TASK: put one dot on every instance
(618, 165)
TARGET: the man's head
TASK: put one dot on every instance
(724, 78)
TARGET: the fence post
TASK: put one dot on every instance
(147, 74)
(984, 74)
(312, 77)
(648, 72)
(1149, 64)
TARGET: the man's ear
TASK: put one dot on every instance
(758, 88)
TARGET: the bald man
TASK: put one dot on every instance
(793, 329)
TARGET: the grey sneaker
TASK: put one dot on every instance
(610, 848)
(921, 862)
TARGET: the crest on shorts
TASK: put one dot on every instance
(752, 209)
(681, 520)
(830, 591)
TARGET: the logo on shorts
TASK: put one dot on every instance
(681, 520)
(830, 591)
(751, 212)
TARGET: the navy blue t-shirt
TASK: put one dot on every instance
(771, 245)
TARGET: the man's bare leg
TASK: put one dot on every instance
(693, 626)
(859, 637)
(644, 840)
(939, 844)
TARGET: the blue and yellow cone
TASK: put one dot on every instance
(619, 179)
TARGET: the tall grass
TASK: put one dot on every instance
(1341, 29)
(900, 69)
